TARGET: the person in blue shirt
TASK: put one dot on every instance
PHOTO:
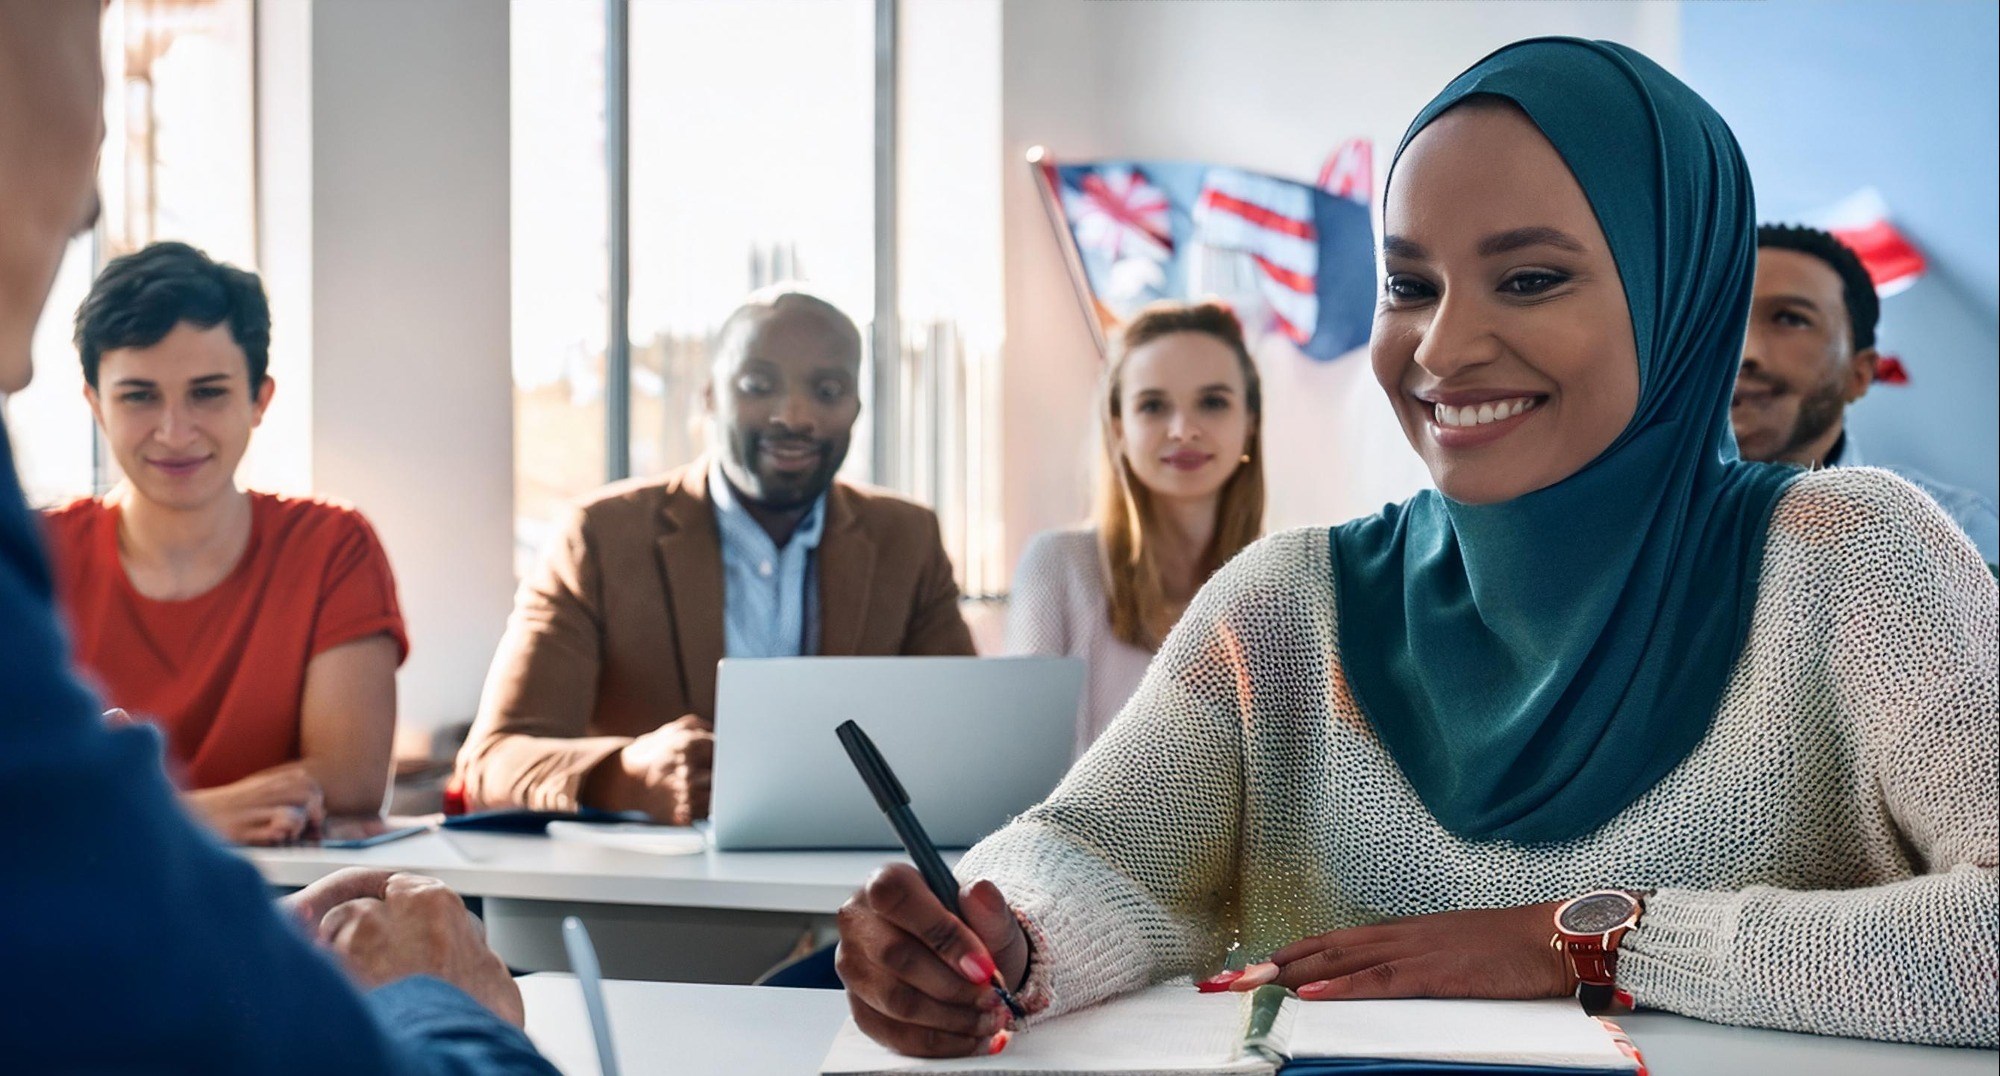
(134, 941)
(1809, 354)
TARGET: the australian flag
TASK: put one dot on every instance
(1291, 258)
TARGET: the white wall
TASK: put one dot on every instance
(412, 412)
(280, 456)
(1268, 86)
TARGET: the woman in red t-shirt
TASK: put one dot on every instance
(261, 633)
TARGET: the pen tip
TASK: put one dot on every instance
(1007, 998)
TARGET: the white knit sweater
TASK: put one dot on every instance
(1824, 860)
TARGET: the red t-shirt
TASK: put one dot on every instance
(223, 673)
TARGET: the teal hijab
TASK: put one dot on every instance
(1536, 665)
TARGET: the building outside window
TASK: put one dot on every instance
(752, 140)
(179, 162)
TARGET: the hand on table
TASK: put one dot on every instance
(919, 980)
(664, 773)
(271, 806)
(386, 926)
(1482, 953)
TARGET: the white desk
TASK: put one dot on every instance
(716, 917)
(537, 868)
(689, 1030)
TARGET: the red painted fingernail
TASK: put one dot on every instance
(977, 967)
(1321, 987)
(1219, 982)
(998, 1042)
(1254, 976)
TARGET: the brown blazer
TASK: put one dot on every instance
(619, 629)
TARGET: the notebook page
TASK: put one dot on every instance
(1548, 1031)
(1166, 1029)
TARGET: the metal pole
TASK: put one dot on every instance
(885, 339)
(618, 246)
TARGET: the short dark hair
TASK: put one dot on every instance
(139, 298)
(1864, 310)
(768, 301)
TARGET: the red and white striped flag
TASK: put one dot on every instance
(1861, 220)
(1349, 171)
(1271, 221)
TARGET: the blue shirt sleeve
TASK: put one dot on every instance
(134, 941)
(447, 1032)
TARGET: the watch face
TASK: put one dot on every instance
(1596, 913)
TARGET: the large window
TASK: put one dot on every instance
(54, 438)
(560, 260)
(754, 153)
(179, 162)
(752, 134)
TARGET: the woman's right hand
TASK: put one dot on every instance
(271, 806)
(919, 980)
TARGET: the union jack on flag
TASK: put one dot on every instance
(1292, 259)
(1116, 212)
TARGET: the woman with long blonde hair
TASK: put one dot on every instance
(1181, 491)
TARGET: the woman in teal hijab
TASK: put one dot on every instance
(1540, 652)
(1749, 712)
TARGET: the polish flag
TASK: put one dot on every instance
(1861, 220)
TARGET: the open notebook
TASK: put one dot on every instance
(1171, 1029)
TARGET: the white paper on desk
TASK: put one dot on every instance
(1166, 1030)
(633, 836)
(1550, 1031)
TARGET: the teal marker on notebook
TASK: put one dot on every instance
(895, 804)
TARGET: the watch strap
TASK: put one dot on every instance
(1594, 960)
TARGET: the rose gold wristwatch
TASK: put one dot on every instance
(1588, 930)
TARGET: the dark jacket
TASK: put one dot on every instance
(134, 941)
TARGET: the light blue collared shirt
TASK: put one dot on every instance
(1974, 514)
(770, 607)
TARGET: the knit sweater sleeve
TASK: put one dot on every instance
(1122, 875)
(1911, 619)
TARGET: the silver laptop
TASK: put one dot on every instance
(975, 741)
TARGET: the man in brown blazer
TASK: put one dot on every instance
(602, 693)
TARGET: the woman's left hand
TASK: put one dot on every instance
(1484, 953)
